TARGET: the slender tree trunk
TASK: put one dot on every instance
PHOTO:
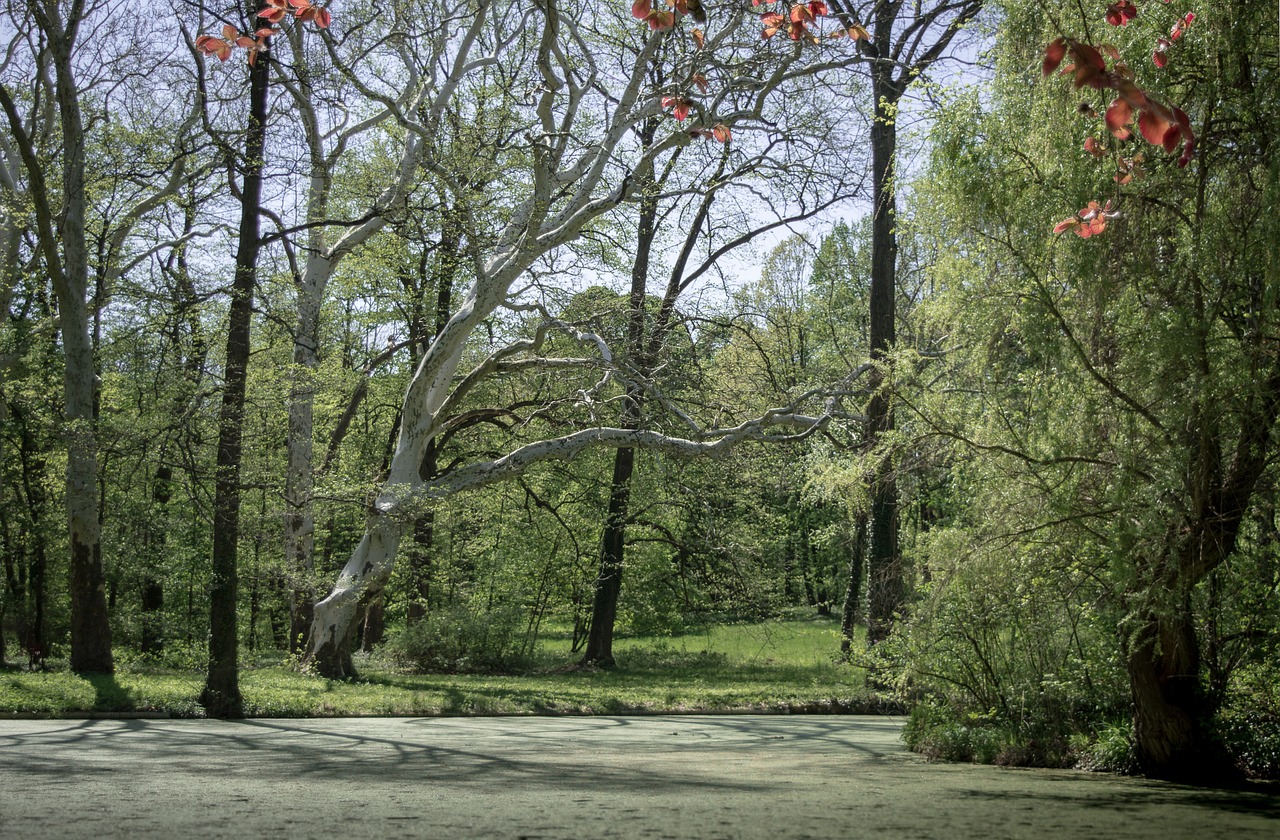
(886, 590)
(221, 696)
(852, 612)
(604, 606)
(299, 520)
(152, 584)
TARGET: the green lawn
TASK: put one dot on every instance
(768, 666)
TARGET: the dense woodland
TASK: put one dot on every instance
(471, 318)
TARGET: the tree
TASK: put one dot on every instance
(565, 182)
(651, 322)
(904, 42)
(47, 39)
(1137, 394)
(221, 694)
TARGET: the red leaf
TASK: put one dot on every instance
(640, 9)
(1160, 54)
(1153, 127)
(1093, 147)
(699, 39)
(701, 81)
(1119, 115)
(1086, 54)
(1065, 225)
(721, 132)
(1053, 54)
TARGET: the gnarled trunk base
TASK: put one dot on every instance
(333, 630)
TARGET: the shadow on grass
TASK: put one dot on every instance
(108, 694)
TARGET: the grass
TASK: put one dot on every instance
(765, 666)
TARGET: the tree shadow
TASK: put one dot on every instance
(108, 694)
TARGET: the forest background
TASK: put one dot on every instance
(613, 322)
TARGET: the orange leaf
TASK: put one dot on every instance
(721, 132)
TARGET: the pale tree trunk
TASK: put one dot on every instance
(299, 520)
(69, 270)
(369, 568)
(325, 152)
(566, 191)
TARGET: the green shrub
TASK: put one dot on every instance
(1251, 735)
(459, 639)
(1109, 750)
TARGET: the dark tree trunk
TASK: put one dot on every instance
(374, 626)
(604, 608)
(1171, 712)
(1169, 707)
(604, 605)
(886, 590)
(853, 596)
(221, 696)
(906, 41)
(152, 641)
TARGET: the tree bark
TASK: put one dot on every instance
(886, 590)
(152, 641)
(604, 606)
(852, 612)
(69, 270)
(221, 695)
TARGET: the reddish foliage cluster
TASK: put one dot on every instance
(1090, 221)
(231, 38)
(276, 11)
(796, 22)
(666, 18)
(1121, 12)
(1159, 124)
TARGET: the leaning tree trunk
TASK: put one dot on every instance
(221, 696)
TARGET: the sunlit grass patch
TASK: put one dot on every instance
(766, 666)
